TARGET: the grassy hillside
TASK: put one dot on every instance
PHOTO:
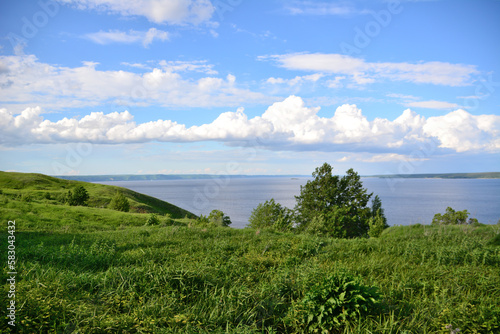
(94, 270)
(40, 191)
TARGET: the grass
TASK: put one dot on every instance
(112, 274)
(46, 190)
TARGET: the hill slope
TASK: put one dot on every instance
(42, 197)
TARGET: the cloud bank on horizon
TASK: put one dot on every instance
(286, 125)
(150, 74)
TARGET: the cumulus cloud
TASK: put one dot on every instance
(132, 36)
(55, 87)
(286, 125)
(463, 132)
(363, 72)
(178, 12)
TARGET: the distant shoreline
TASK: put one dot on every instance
(158, 177)
(486, 175)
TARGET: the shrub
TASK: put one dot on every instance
(202, 221)
(152, 220)
(378, 210)
(331, 224)
(271, 215)
(119, 202)
(168, 219)
(79, 196)
(452, 217)
(217, 218)
(336, 300)
(377, 225)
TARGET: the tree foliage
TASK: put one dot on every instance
(377, 222)
(120, 202)
(377, 210)
(218, 218)
(452, 217)
(79, 196)
(376, 225)
(271, 215)
(214, 219)
(337, 205)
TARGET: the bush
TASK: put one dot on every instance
(168, 219)
(331, 224)
(79, 196)
(202, 221)
(377, 226)
(271, 215)
(119, 202)
(152, 220)
(214, 219)
(337, 299)
(217, 218)
(452, 217)
(377, 210)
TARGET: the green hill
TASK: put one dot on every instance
(40, 200)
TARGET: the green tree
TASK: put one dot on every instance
(218, 218)
(378, 210)
(120, 202)
(79, 196)
(452, 217)
(377, 222)
(271, 215)
(376, 225)
(342, 201)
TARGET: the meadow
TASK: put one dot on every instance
(96, 270)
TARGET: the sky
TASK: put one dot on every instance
(249, 86)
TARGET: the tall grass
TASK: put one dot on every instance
(95, 270)
(187, 280)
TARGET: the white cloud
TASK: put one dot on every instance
(133, 36)
(286, 125)
(298, 80)
(461, 131)
(362, 72)
(403, 96)
(336, 82)
(157, 11)
(182, 66)
(318, 8)
(29, 82)
(433, 104)
(384, 157)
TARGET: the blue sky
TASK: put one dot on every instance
(249, 87)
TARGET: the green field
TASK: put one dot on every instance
(96, 270)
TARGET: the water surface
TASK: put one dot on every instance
(405, 201)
